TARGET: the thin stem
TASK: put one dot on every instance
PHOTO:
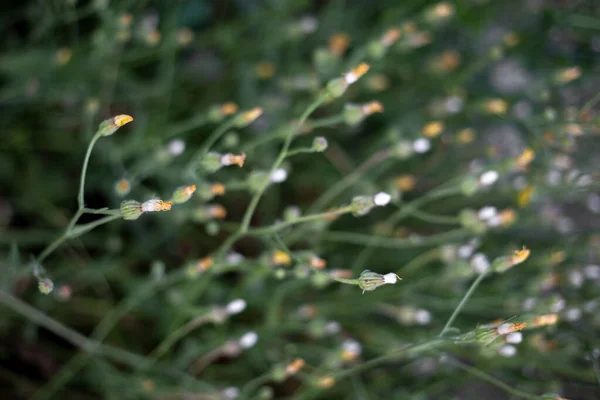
(393, 243)
(84, 169)
(433, 218)
(212, 139)
(462, 303)
(306, 218)
(81, 229)
(177, 335)
(490, 379)
(286, 145)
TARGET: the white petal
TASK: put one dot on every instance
(390, 278)
(382, 199)
(248, 340)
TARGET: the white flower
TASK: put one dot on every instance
(422, 317)
(390, 278)
(558, 305)
(487, 213)
(529, 303)
(176, 147)
(421, 145)
(234, 258)
(576, 278)
(230, 393)
(235, 306)
(480, 263)
(573, 314)
(279, 175)
(505, 329)
(488, 178)
(333, 327)
(591, 271)
(507, 350)
(514, 338)
(352, 346)
(248, 340)
(382, 199)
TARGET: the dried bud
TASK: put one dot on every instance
(433, 129)
(369, 280)
(525, 158)
(295, 366)
(217, 113)
(110, 126)
(131, 209)
(338, 44)
(122, 187)
(543, 320)
(338, 86)
(230, 159)
(280, 258)
(183, 194)
(156, 205)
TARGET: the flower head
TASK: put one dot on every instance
(370, 280)
(110, 126)
(183, 194)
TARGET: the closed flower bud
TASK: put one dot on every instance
(501, 264)
(110, 126)
(131, 209)
(45, 285)
(217, 113)
(370, 280)
(319, 144)
(361, 205)
(183, 194)
(337, 87)
(248, 117)
(211, 162)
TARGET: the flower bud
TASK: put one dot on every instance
(156, 205)
(361, 205)
(501, 264)
(319, 144)
(370, 280)
(230, 159)
(217, 113)
(183, 194)
(248, 117)
(45, 285)
(110, 126)
(131, 209)
(211, 162)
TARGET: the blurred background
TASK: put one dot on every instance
(473, 135)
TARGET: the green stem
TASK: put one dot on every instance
(490, 379)
(177, 335)
(84, 169)
(433, 218)
(393, 243)
(306, 218)
(462, 303)
(286, 145)
(211, 140)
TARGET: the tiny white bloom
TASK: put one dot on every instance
(234, 258)
(489, 178)
(236, 306)
(591, 271)
(382, 199)
(176, 147)
(279, 175)
(576, 278)
(421, 145)
(309, 24)
(558, 305)
(390, 278)
(465, 251)
(333, 327)
(507, 350)
(480, 263)
(350, 78)
(231, 393)
(514, 338)
(529, 303)
(487, 212)
(248, 340)
(505, 329)
(422, 317)
(573, 314)
(351, 346)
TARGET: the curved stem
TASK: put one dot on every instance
(462, 303)
(84, 169)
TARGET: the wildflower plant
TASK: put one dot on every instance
(315, 200)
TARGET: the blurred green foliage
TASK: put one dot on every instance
(478, 120)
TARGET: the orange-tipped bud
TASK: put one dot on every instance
(295, 366)
(543, 320)
(356, 73)
(217, 189)
(230, 159)
(433, 129)
(156, 205)
(228, 108)
(520, 256)
(390, 37)
(217, 211)
(317, 262)
(338, 44)
(204, 264)
(280, 258)
(525, 158)
(372, 108)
